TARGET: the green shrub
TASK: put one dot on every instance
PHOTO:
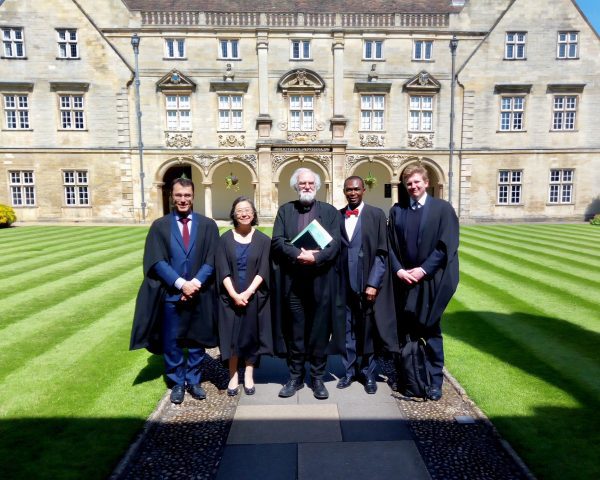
(596, 219)
(7, 216)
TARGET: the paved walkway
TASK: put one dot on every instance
(350, 435)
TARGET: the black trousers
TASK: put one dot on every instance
(307, 339)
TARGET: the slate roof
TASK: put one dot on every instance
(305, 6)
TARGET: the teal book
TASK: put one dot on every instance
(313, 237)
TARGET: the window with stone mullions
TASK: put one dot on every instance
(76, 187)
(67, 43)
(12, 41)
(301, 113)
(515, 45)
(175, 47)
(564, 112)
(373, 50)
(372, 112)
(71, 112)
(512, 111)
(178, 112)
(422, 49)
(16, 111)
(509, 187)
(22, 188)
(421, 113)
(300, 49)
(561, 186)
(230, 112)
(229, 49)
(567, 45)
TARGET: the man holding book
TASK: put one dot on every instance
(304, 250)
(369, 310)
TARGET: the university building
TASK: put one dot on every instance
(238, 94)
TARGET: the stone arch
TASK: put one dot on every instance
(437, 177)
(171, 169)
(382, 193)
(222, 195)
(287, 164)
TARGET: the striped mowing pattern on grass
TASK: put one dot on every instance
(523, 337)
(67, 296)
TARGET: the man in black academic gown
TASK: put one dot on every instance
(423, 235)
(370, 319)
(174, 307)
(305, 284)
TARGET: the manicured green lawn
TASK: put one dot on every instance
(522, 336)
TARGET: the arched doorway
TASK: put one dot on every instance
(380, 194)
(176, 171)
(285, 193)
(224, 194)
(436, 186)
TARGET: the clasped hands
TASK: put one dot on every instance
(241, 299)
(189, 289)
(414, 275)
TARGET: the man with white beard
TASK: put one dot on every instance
(305, 282)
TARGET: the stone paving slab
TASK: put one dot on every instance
(263, 462)
(382, 422)
(361, 460)
(256, 424)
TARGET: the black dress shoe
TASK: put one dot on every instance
(232, 392)
(197, 392)
(319, 390)
(177, 394)
(249, 391)
(434, 393)
(291, 387)
(370, 386)
(345, 382)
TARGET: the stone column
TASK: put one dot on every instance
(394, 192)
(208, 200)
(263, 122)
(338, 121)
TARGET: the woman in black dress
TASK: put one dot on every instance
(242, 264)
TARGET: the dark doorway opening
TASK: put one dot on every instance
(170, 175)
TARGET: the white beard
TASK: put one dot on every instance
(307, 198)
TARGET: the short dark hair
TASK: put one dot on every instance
(184, 182)
(355, 177)
(235, 203)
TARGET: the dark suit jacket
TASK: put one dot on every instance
(164, 244)
(437, 245)
(363, 262)
(323, 275)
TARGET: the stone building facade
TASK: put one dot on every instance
(249, 91)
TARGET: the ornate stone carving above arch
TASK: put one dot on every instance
(323, 161)
(392, 161)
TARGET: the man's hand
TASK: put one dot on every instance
(417, 273)
(307, 257)
(406, 276)
(189, 288)
(370, 294)
(240, 300)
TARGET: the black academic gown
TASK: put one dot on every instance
(244, 332)
(198, 326)
(375, 327)
(328, 330)
(428, 299)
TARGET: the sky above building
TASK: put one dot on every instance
(591, 8)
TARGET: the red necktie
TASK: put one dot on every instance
(185, 232)
(349, 213)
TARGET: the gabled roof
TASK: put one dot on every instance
(322, 6)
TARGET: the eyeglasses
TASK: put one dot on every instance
(244, 211)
